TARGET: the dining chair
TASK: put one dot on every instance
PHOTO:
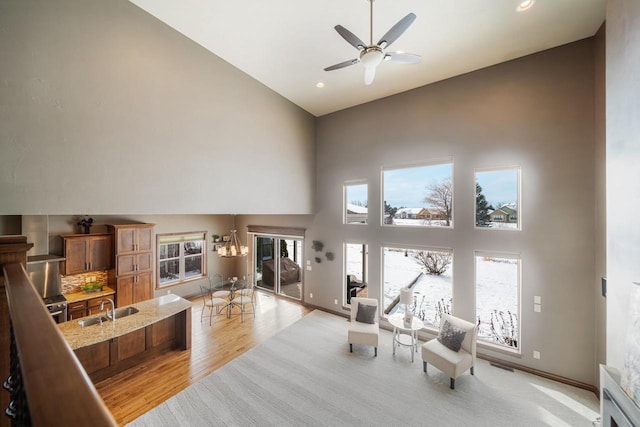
(245, 297)
(211, 302)
(216, 286)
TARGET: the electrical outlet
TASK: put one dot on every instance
(93, 279)
(335, 301)
(87, 280)
(536, 354)
(311, 295)
(308, 268)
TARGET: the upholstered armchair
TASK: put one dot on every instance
(454, 351)
(364, 328)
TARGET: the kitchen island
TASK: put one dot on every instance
(104, 349)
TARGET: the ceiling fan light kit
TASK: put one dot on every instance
(372, 55)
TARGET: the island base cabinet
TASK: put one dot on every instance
(107, 358)
(128, 345)
(95, 357)
(161, 332)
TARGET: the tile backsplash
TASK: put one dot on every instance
(75, 282)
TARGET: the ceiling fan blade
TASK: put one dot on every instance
(402, 58)
(396, 31)
(369, 74)
(351, 38)
(342, 64)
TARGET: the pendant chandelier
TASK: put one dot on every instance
(233, 247)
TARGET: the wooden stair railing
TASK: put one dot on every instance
(48, 384)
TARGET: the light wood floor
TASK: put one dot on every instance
(139, 389)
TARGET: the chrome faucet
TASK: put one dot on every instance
(113, 309)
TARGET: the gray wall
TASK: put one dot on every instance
(106, 110)
(623, 174)
(536, 112)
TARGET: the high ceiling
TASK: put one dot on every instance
(286, 44)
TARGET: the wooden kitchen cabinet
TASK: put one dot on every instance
(86, 252)
(134, 288)
(95, 357)
(76, 310)
(134, 262)
(133, 238)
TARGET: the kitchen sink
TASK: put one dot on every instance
(92, 321)
(126, 311)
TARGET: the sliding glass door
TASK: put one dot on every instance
(277, 264)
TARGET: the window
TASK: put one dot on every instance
(419, 196)
(355, 204)
(355, 266)
(181, 257)
(498, 299)
(428, 273)
(498, 198)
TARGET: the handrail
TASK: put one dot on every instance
(58, 390)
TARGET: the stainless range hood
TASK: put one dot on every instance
(43, 268)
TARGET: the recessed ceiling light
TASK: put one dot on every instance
(320, 85)
(525, 5)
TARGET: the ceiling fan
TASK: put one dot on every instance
(373, 54)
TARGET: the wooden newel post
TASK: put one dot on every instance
(13, 250)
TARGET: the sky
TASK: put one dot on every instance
(500, 186)
(408, 187)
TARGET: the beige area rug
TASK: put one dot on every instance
(305, 376)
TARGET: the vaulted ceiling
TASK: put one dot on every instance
(286, 44)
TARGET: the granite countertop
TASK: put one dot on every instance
(82, 296)
(150, 311)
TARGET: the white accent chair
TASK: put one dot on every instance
(360, 332)
(448, 361)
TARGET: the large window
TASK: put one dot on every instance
(428, 273)
(498, 198)
(181, 257)
(355, 265)
(355, 203)
(498, 299)
(419, 196)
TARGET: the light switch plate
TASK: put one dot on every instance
(537, 308)
(537, 299)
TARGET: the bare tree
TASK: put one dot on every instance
(435, 263)
(441, 198)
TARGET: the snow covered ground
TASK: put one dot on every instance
(496, 288)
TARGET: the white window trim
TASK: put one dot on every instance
(433, 162)
(508, 255)
(181, 238)
(345, 202)
(519, 211)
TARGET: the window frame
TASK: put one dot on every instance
(365, 268)
(181, 238)
(345, 202)
(489, 344)
(518, 170)
(425, 164)
(427, 323)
